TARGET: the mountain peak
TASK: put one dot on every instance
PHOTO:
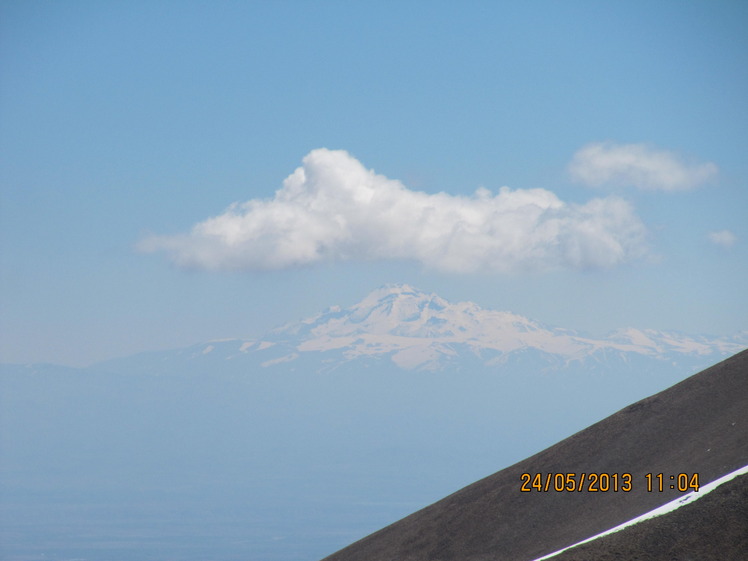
(400, 302)
(394, 290)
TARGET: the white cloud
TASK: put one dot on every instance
(722, 237)
(637, 165)
(333, 209)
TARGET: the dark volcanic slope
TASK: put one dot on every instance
(697, 426)
(714, 528)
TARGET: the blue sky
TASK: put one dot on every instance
(619, 129)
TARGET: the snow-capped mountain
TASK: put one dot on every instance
(417, 330)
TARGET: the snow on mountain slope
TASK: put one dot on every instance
(667, 508)
(417, 330)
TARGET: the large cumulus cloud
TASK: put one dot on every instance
(333, 209)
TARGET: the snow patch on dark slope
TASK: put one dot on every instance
(665, 509)
(699, 425)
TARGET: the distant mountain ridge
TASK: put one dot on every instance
(415, 330)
